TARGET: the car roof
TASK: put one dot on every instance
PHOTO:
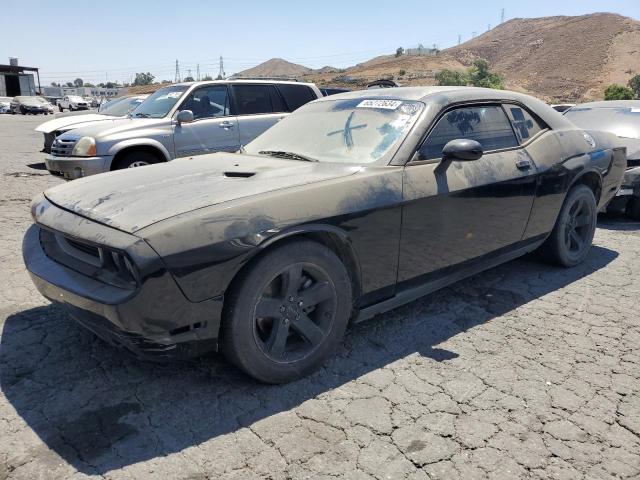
(244, 80)
(609, 104)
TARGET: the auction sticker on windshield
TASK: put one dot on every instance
(385, 104)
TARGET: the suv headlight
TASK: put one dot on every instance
(85, 147)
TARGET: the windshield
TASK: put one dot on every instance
(121, 107)
(160, 103)
(347, 131)
(621, 121)
(28, 100)
(42, 100)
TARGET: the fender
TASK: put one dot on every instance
(139, 142)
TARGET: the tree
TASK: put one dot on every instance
(634, 84)
(618, 92)
(143, 79)
(207, 78)
(399, 51)
(189, 79)
(451, 78)
(87, 84)
(78, 82)
(402, 72)
(69, 84)
(480, 76)
(54, 84)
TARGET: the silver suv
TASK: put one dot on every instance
(179, 120)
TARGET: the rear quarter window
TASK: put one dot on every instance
(296, 95)
(524, 124)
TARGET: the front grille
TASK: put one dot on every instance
(96, 261)
(633, 163)
(62, 147)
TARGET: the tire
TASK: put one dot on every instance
(23, 110)
(570, 240)
(304, 291)
(633, 208)
(135, 159)
(60, 108)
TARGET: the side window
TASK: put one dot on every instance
(208, 102)
(256, 99)
(296, 95)
(487, 125)
(523, 123)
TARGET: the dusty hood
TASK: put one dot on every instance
(132, 199)
(70, 122)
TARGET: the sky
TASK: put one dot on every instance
(111, 41)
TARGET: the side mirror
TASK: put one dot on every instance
(462, 150)
(184, 116)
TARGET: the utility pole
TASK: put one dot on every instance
(502, 16)
(488, 27)
(459, 39)
(473, 34)
(198, 72)
(189, 73)
(221, 74)
(177, 77)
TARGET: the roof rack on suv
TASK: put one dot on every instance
(284, 79)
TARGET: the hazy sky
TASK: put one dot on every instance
(114, 39)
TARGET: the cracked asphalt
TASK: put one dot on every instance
(524, 371)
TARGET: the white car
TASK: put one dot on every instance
(48, 106)
(5, 104)
(72, 103)
(118, 108)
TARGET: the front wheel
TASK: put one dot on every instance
(288, 313)
(135, 159)
(571, 237)
(633, 208)
(60, 108)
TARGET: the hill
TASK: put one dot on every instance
(275, 68)
(554, 58)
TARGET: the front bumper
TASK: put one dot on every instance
(77, 167)
(154, 320)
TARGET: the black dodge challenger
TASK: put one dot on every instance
(353, 205)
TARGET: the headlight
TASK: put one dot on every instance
(35, 203)
(85, 147)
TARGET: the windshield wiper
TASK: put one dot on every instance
(287, 155)
(142, 115)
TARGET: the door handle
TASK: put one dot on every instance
(226, 125)
(523, 164)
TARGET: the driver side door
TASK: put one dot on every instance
(458, 211)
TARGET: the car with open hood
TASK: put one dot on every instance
(354, 204)
(118, 108)
(622, 118)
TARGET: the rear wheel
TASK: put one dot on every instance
(288, 313)
(23, 110)
(135, 159)
(571, 237)
(60, 108)
(633, 208)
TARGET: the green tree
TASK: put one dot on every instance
(207, 78)
(451, 78)
(480, 75)
(78, 82)
(618, 92)
(54, 84)
(399, 51)
(189, 79)
(143, 79)
(402, 72)
(634, 84)
(69, 84)
(87, 84)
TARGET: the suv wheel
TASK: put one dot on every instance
(633, 208)
(571, 237)
(135, 159)
(288, 312)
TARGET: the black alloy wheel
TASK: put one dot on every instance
(571, 237)
(287, 311)
(295, 312)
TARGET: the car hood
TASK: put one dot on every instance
(72, 121)
(115, 125)
(132, 199)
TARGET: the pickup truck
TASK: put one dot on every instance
(72, 103)
(179, 120)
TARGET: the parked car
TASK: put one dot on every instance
(562, 107)
(47, 105)
(28, 104)
(382, 83)
(354, 204)
(326, 91)
(621, 118)
(72, 103)
(180, 120)
(119, 108)
(5, 104)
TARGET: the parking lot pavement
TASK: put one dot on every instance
(525, 371)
